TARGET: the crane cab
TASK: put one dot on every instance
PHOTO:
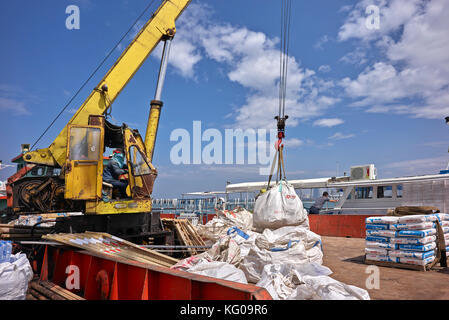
(83, 171)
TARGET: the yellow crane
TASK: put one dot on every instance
(77, 152)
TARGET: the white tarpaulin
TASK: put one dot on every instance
(14, 277)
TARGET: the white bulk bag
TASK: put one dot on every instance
(220, 270)
(14, 277)
(278, 207)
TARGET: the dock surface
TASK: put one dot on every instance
(345, 257)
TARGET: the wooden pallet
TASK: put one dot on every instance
(186, 233)
(426, 267)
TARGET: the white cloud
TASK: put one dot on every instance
(356, 57)
(14, 100)
(413, 76)
(251, 59)
(12, 105)
(325, 68)
(319, 44)
(419, 166)
(393, 14)
(332, 122)
(293, 142)
(341, 136)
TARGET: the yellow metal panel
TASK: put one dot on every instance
(118, 207)
(84, 178)
(81, 182)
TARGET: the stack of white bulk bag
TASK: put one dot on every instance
(407, 239)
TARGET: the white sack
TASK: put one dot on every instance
(326, 288)
(288, 245)
(219, 225)
(309, 281)
(14, 277)
(220, 270)
(281, 280)
(278, 207)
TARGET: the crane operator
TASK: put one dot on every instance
(114, 169)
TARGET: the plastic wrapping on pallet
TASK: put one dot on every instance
(415, 241)
(412, 226)
(386, 258)
(401, 233)
(416, 233)
(381, 245)
(418, 247)
(377, 239)
(419, 218)
(379, 251)
(382, 220)
(411, 240)
(278, 207)
(14, 277)
(411, 254)
(381, 233)
(374, 226)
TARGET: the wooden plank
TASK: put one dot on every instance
(46, 292)
(61, 291)
(37, 295)
(31, 297)
(126, 250)
(397, 265)
(20, 236)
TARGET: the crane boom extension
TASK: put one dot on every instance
(160, 26)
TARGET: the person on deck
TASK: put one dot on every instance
(114, 169)
(315, 209)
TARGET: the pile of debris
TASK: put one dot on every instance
(185, 234)
(287, 261)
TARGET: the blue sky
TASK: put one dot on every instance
(355, 95)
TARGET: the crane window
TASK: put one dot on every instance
(385, 192)
(364, 193)
(138, 163)
(84, 143)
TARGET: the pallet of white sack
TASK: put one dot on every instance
(408, 266)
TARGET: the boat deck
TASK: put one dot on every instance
(344, 256)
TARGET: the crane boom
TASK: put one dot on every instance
(161, 25)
